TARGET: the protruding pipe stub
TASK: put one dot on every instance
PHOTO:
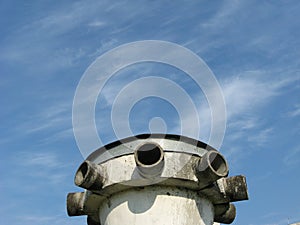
(149, 159)
(211, 167)
(91, 221)
(75, 204)
(235, 188)
(228, 216)
(89, 176)
(220, 209)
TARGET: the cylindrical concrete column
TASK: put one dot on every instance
(156, 205)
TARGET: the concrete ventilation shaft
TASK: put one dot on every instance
(156, 179)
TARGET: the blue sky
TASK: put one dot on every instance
(253, 48)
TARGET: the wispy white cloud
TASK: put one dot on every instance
(64, 19)
(97, 24)
(252, 89)
(38, 219)
(295, 111)
(292, 157)
(223, 15)
(39, 45)
(43, 159)
(244, 95)
(54, 119)
(261, 137)
(43, 168)
(243, 125)
(244, 92)
(58, 136)
(65, 36)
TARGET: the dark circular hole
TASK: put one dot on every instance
(148, 154)
(81, 173)
(218, 163)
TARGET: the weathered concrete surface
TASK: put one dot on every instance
(160, 179)
(156, 205)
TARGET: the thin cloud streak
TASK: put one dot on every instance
(43, 168)
(223, 15)
(68, 35)
(292, 158)
(244, 95)
(294, 112)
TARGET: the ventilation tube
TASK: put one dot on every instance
(211, 167)
(75, 204)
(149, 159)
(89, 176)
